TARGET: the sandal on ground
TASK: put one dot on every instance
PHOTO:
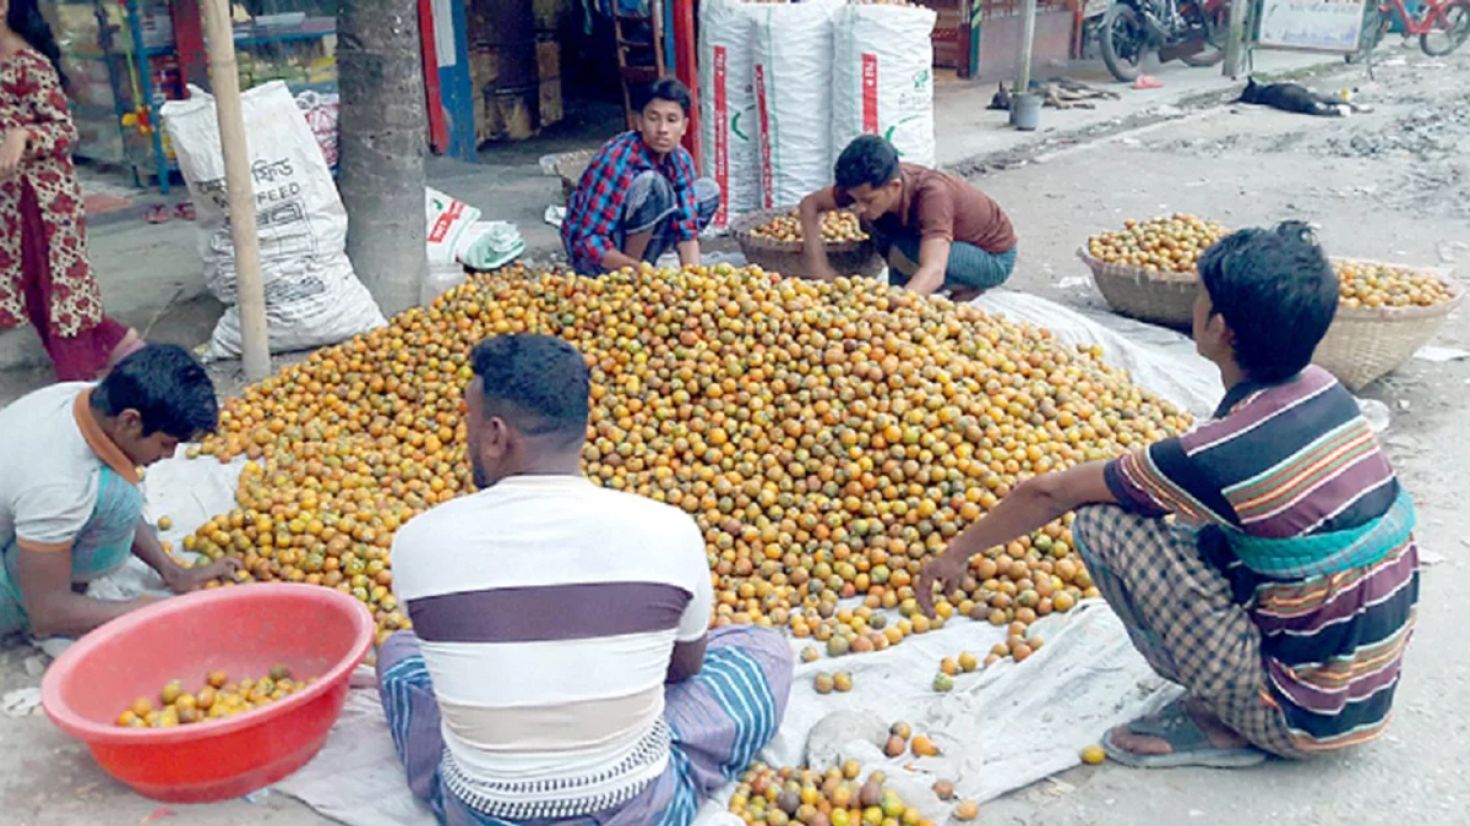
(157, 215)
(1189, 744)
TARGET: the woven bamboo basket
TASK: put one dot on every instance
(569, 167)
(1165, 298)
(786, 257)
(1366, 343)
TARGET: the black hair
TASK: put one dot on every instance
(669, 89)
(1277, 292)
(170, 390)
(537, 383)
(25, 19)
(869, 160)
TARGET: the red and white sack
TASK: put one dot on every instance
(321, 111)
(791, 66)
(883, 78)
(727, 105)
(448, 220)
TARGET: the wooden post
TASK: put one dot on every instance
(224, 78)
(1028, 34)
(1235, 45)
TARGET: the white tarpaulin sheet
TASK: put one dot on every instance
(1000, 729)
(1159, 360)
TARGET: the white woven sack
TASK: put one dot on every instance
(727, 105)
(792, 71)
(312, 295)
(883, 79)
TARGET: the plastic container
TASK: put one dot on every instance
(1026, 111)
(246, 630)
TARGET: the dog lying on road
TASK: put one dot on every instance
(1294, 97)
(1060, 93)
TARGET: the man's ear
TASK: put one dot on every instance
(130, 422)
(1221, 330)
(497, 438)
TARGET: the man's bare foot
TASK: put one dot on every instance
(964, 295)
(1221, 736)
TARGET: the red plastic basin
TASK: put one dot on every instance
(315, 631)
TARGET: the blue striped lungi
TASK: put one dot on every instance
(720, 719)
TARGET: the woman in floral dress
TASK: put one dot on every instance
(45, 277)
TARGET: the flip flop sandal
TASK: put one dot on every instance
(157, 215)
(1189, 745)
(184, 211)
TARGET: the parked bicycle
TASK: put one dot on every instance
(1441, 25)
(1193, 31)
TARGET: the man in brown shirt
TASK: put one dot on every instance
(936, 231)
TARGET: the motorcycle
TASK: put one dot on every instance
(1193, 31)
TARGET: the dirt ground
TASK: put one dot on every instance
(1392, 185)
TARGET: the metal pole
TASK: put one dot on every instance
(1028, 34)
(250, 291)
(1235, 45)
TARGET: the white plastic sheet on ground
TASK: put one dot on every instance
(1000, 729)
(1159, 360)
(727, 105)
(883, 78)
(791, 65)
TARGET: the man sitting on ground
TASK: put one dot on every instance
(559, 667)
(71, 499)
(1286, 615)
(935, 230)
(640, 195)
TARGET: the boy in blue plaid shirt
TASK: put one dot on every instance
(641, 195)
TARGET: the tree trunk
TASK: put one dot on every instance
(382, 144)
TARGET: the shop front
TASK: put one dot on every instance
(127, 58)
(981, 39)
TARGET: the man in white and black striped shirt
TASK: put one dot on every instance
(559, 659)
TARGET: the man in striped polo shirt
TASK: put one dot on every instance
(559, 668)
(1282, 594)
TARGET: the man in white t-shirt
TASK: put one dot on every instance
(70, 504)
(560, 665)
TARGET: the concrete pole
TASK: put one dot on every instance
(1028, 35)
(1235, 45)
(249, 289)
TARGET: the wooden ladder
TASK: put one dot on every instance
(640, 74)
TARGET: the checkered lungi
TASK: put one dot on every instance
(1178, 610)
(719, 720)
